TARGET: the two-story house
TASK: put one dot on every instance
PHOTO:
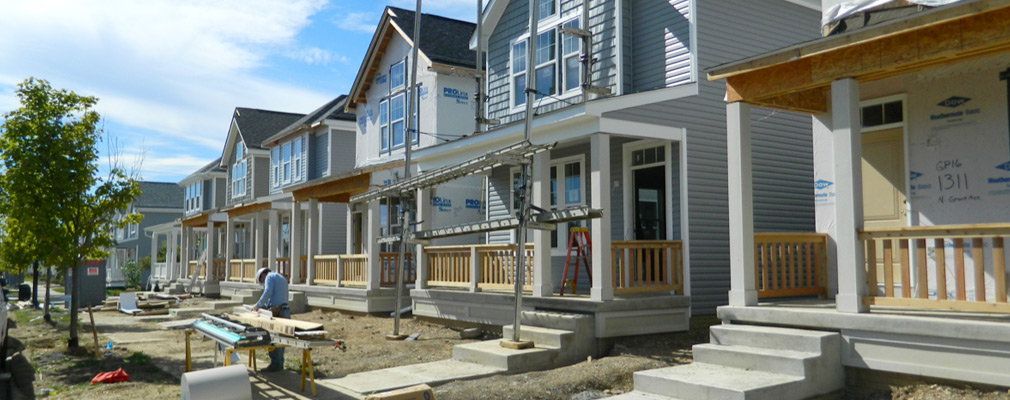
(158, 203)
(359, 277)
(312, 149)
(204, 195)
(622, 124)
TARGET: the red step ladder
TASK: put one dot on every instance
(578, 240)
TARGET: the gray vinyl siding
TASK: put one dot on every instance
(220, 191)
(782, 146)
(515, 23)
(208, 191)
(627, 47)
(341, 151)
(319, 161)
(333, 228)
(259, 182)
(498, 198)
(661, 53)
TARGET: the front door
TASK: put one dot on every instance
(884, 187)
(649, 192)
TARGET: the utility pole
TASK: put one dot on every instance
(404, 203)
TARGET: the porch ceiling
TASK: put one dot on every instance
(338, 191)
(247, 209)
(798, 78)
(196, 220)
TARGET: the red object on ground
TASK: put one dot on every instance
(111, 377)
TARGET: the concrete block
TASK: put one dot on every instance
(769, 337)
(490, 353)
(222, 304)
(543, 337)
(794, 363)
(707, 381)
(193, 312)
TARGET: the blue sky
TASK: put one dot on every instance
(169, 73)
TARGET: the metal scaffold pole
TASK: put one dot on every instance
(404, 198)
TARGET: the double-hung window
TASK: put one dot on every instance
(384, 123)
(396, 119)
(238, 173)
(286, 162)
(275, 165)
(556, 60)
(397, 77)
(567, 177)
(296, 157)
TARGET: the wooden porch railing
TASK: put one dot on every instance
(647, 266)
(192, 270)
(932, 245)
(355, 269)
(242, 270)
(494, 265)
(219, 271)
(326, 270)
(388, 264)
(790, 264)
(284, 267)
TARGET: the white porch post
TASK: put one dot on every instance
(349, 238)
(259, 230)
(187, 245)
(154, 257)
(312, 235)
(543, 284)
(209, 268)
(371, 247)
(229, 246)
(423, 215)
(272, 236)
(742, 290)
(295, 233)
(599, 175)
(848, 196)
(171, 253)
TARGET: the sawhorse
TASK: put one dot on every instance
(306, 346)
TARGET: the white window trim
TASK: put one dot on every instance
(288, 163)
(329, 150)
(547, 24)
(559, 164)
(275, 166)
(297, 160)
(393, 145)
(403, 64)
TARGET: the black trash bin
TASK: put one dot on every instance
(24, 292)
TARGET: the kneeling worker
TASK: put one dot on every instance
(274, 298)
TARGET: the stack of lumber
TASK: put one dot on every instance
(287, 327)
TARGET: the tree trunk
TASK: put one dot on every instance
(35, 285)
(75, 304)
(45, 307)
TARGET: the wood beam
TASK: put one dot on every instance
(352, 184)
(248, 209)
(794, 85)
(197, 220)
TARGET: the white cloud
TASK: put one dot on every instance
(359, 21)
(172, 67)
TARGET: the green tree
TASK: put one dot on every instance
(55, 206)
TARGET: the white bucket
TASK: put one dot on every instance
(223, 383)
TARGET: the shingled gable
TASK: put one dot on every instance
(443, 42)
(159, 195)
(333, 109)
(253, 126)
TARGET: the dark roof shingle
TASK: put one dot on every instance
(443, 40)
(333, 109)
(160, 194)
(257, 125)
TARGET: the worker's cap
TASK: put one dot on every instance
(260, 272)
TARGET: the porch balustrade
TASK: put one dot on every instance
(911, 261)
(219, 271)
(159, 270)
(790, 264)
(242, 270)
(284, 267)
(388, 271)
(353, 270)
(647, 266)
(489, 266)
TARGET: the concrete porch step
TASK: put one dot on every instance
(222, 304)
(708, 381)
(788, 362)
(491, 354)
(637, 395)
(769, 337)
(542, 337)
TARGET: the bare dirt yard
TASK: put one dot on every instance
(154, 359)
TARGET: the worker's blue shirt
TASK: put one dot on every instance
(275, 291)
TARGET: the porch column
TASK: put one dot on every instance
(171, 253)
(848, 196)
(349, 228)
(154, 257)
(273, 235)
(543, 284)
(423, 215)
(599, 178)
(209, 269)
(742, 289)
(187, 245)
(295, 233)
(371, 247)
(229, 246)
(259, 230)
(312, 235)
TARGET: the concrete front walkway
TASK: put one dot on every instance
(433, 373)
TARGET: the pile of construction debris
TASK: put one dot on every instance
(142, 303)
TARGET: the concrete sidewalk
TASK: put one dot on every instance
(434, 373)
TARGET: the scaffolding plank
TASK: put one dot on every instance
(544, 221)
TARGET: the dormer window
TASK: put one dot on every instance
(397, 78)
(238, 151)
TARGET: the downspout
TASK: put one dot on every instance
(479, 95)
